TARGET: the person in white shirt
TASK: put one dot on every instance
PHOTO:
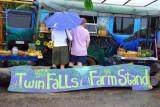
(60, 53)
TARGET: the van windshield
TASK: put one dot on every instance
(19, 19)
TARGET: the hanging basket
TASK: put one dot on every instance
(120, 51)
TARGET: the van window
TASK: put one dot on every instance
(123, 25)
(144, 23)
(19, 19)
(91, 24)
(90, 19)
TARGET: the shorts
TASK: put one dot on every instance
(73, 58)
(60, 55)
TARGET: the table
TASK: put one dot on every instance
(18, 58)
(136, 60)
(4, 58)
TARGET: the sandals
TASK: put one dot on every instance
(53, 67)
(70, 67)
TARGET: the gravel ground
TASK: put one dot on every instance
(100, 97)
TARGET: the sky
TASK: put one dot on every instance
(133, 2)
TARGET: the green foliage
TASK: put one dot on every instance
(4, 6)
(16, 6)
(144, 31)
(10, 6)
(22, 62)
(91, 5)
(88, 5)
(24, 7)
(12, 63)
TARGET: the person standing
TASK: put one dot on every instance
(80, 43)
(60, 54)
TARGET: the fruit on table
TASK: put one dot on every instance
(143, 55)
(139, 54)
(32, 54)
(147, 53)
(26, 53)
(35, 53)
(31, 50)
(4, 52)
(20, 53)
(38, 53)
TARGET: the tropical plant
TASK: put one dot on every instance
(16, 6)
(24, 7)
(88, 5)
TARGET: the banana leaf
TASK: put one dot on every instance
(91, 5)
(86, 5)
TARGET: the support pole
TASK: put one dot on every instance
(19, 2)
(1, 25)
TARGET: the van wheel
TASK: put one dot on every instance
(90, 61)
(155, 67)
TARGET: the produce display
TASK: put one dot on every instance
(143, 53)
(30, 52)
(4, 52)
(130, 54)
(146, 53)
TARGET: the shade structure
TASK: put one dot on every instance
(99, 8)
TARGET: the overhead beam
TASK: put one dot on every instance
(150, 3)
(103, 1)
(19, 2)
(126, 2)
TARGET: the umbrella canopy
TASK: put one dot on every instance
(63, 21)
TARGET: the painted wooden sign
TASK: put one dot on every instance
(26, 79)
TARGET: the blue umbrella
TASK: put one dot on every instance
(63, 21)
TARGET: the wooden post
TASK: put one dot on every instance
(1, 25)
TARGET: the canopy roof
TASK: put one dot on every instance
(100, 9)
(143, 3)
